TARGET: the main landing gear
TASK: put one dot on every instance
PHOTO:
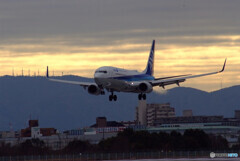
(113, 97)
(142, 96)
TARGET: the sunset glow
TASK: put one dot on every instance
(172, 60)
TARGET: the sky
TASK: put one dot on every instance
(78, 36)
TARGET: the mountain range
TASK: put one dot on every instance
(65, 106)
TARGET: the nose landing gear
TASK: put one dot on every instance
(142, 96)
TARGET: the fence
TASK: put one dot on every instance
(114, 156)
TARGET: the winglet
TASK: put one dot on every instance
(47, 73)
(223, 66)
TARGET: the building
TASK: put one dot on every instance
(187, 120)
(141, 112)
(129, 123)
(228, 128)
(8, 134)
(147, 114)
(35, 131)
(33, 123)
(158, 111)
(101, 122)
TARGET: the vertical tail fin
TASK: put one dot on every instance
(150, 64)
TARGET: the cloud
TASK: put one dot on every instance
(59, 46)
(77, 37)
(114, 20)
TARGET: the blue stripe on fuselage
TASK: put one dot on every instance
(135, 77)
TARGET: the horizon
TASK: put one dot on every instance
(156, 89)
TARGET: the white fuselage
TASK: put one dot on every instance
(118, 79)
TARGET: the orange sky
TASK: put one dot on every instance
(169, 60)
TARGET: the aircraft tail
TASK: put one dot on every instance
(150, 64)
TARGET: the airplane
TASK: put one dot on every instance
(115, 79)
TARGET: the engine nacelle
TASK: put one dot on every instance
(145, 87)
(93, 89)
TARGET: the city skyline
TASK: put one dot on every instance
(76, 37)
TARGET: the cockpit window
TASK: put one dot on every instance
(101, 71)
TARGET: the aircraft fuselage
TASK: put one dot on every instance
(120, 79)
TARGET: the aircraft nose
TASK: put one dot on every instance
(97, 78)
(97, 75)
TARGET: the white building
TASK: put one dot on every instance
(147, 114)
(141, 111)
(35, 132)
(156, 111)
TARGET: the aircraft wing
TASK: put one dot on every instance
(164, 82)
(84, 84)
(171, 77)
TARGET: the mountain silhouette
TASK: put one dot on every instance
(66, 106)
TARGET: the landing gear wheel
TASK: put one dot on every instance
(144, 96)
(139, 96)
(110, 98)
(115, 97)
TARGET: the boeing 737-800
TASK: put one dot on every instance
(121, 80)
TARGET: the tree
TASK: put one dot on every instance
(77, 146)
(218, 142)
(195, 139)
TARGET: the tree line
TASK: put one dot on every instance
(127, 141)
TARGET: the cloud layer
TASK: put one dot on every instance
(76, 37)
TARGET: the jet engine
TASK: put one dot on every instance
(145, 87)
(93, 89)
